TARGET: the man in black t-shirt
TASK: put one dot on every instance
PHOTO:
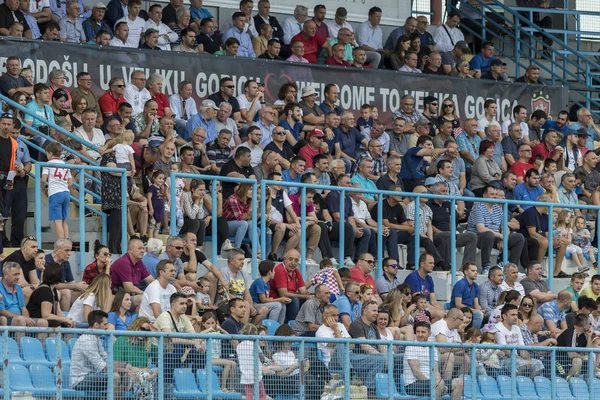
(169, 16)
(575, 364)
(239, 167)
(25, 257)
(9, 12)
(214, 275)
(233, 325)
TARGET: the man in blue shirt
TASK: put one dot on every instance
(237, 31)
(482, 61)
(12, 305)
(349, 305)
(560, 125)
(414, 167)
(204, 119)
(530, 189)
(420, 281)
(465, 293)
(586, 121)
(294, 174)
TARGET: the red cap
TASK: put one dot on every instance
(316, 133)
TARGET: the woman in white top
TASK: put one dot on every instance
(97, 296)
(383, 319)
(286, 381)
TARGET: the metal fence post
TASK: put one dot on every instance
(173, 206)
(452, 241)
(417, 231)
(550, 249)
(254, 235)
(81, 219)
(342, 225)
(214, 214)
(303, 231)
(123, 210)
(380, 236)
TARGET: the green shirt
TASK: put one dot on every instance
(133, 353)
(575, 298)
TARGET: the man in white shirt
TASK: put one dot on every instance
(265, 124)
(251, 101)
(137, 26)
(509, 333)
(121, 35)
(183, 107)
(511, 274)
(90, 134)
(222, 121)
(156, 296)
(446, 331)
(447, 35)
(417, 371)
(293, 25)
(365, 365)
(136, 93)
(370, 37)
(166, 36)
(520, 117)
(253, 144)
(338, 22)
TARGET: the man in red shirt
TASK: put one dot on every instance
(316, 145)
(109, 101)
(548, 148)
(312, 41)
(521, 166)
(288, 282)
(337, 58)
(361, 273)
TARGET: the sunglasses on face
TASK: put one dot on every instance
(368, 261)
(527, 305)
(393, 265)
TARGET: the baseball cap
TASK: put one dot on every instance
(582, 132)
(308, 91)
(316, 133)
(461, 44)
(496, 62)
(430, 181)
(100, 5)
(209, 104)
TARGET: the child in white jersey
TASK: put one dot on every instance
(124, 152)
(59, 182)
(179, 186)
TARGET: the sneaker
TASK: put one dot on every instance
(311, 261)
(485, 271)
(227, 246)
(562, 274)
(348, 262)
(583, 269)
(334, 261)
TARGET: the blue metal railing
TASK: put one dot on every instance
(526, 35)
(302, 343)
(81, 168)
(260, 209)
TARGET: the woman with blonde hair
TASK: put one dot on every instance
(398, 321)
(448, 112)
(133, 356)
(97, 296)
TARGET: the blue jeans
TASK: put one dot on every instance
(366, 366)
(241, 229)
(291, 309)
(95, 381)
(362, 243)
(477, 319)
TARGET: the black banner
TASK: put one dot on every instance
(382, 88)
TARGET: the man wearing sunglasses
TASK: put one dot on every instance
(388, 280)
(173, 253)
(226, 93)
(361, 273)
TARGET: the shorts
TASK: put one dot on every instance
(126, 165)
(59, 206)
(419, 388)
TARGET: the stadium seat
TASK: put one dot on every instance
(596, 388)
(505, 386)
(543, 387)
(271, 326)
(216, 391)
(580, 389)
(20, 381)
(32, 352)
(291, 323)
(526, 388)
(72, 344)
(489, 388)
(43, 380)
(563, 391)
(50, 346)
(13, 351)
(185, 385)
(468, 392)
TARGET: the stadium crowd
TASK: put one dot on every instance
(158, 286)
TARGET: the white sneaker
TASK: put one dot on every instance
(348, 262)
(334, 261)
(227, 246)
(311, 261)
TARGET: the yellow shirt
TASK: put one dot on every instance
(588, 293)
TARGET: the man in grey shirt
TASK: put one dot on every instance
(398, 140)
(173, 252)
(89, 360)
(310, 316)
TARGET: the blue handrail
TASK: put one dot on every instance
(38, 203)
(260, 209)
(161, 338)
